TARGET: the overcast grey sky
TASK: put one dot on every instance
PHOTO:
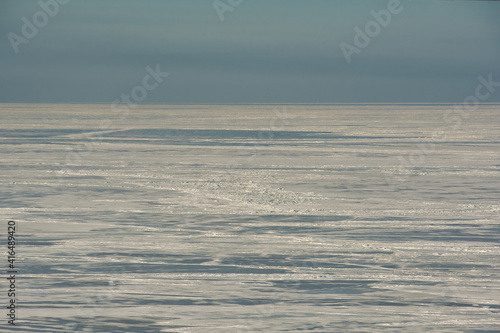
(264, 51)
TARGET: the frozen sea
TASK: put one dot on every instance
(252, 218)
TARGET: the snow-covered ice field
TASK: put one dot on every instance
(256, 218)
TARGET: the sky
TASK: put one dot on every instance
(246, 51)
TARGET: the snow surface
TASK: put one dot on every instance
(253, 218)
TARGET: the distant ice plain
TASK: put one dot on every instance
(253, 218)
